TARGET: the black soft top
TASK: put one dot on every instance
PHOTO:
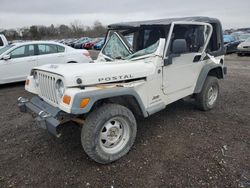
(161, 22)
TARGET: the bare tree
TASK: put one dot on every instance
(98, 29)
(34, 32)
(77, 28)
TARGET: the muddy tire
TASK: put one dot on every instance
(108, 133)
(207, 98)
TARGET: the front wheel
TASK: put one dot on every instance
(108, 133)
(207, 98)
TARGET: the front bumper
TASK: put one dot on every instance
(243, 50)
(45, 114)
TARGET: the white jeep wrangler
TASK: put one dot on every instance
(143, 67)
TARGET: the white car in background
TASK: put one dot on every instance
(17, 60)
(244, 47)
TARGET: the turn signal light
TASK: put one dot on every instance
(66, 99)
(84, 102)
(27, 82)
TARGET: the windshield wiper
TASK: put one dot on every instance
(107, 59)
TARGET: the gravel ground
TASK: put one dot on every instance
(177, 147)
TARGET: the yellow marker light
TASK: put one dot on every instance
(66, 99)
(84, 102)
(27, 82)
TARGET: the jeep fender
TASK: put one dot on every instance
(209, 69)
(105, 94)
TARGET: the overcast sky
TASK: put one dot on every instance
(19, 13)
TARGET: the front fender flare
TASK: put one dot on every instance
(104, 94)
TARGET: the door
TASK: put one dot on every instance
(18, 67)
(50, 54)
(183, 60)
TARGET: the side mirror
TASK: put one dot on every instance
(169, 60)
(179, 46)
(6, 57)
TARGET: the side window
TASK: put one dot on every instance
(18, 52)
(215, 41)
(51, 48)
(60, 49)
(151, 36)
(41, 49)
(31, 50)
(23, 51)
(194, 36)
(145, 37)
(1, 42)
(47, 49)
(130, 39)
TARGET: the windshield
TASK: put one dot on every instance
(227, 38)
(149, 50)
(116, 48)
(119, 46)
(248, 40)
(101, 41)
(82, 40)
(244, 37)
(4, 49)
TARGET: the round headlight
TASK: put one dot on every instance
(60, 88)
(35, 76)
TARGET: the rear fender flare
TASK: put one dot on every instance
(208, 68)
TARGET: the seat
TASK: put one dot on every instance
(179, 46)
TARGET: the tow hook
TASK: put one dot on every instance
(21, 103)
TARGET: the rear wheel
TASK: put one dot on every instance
(108, 133)
(207, 98)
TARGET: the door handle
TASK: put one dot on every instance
(31, 60)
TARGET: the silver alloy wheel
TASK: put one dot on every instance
(212, 95)
(114, 135)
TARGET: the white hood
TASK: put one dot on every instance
(100, 72)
